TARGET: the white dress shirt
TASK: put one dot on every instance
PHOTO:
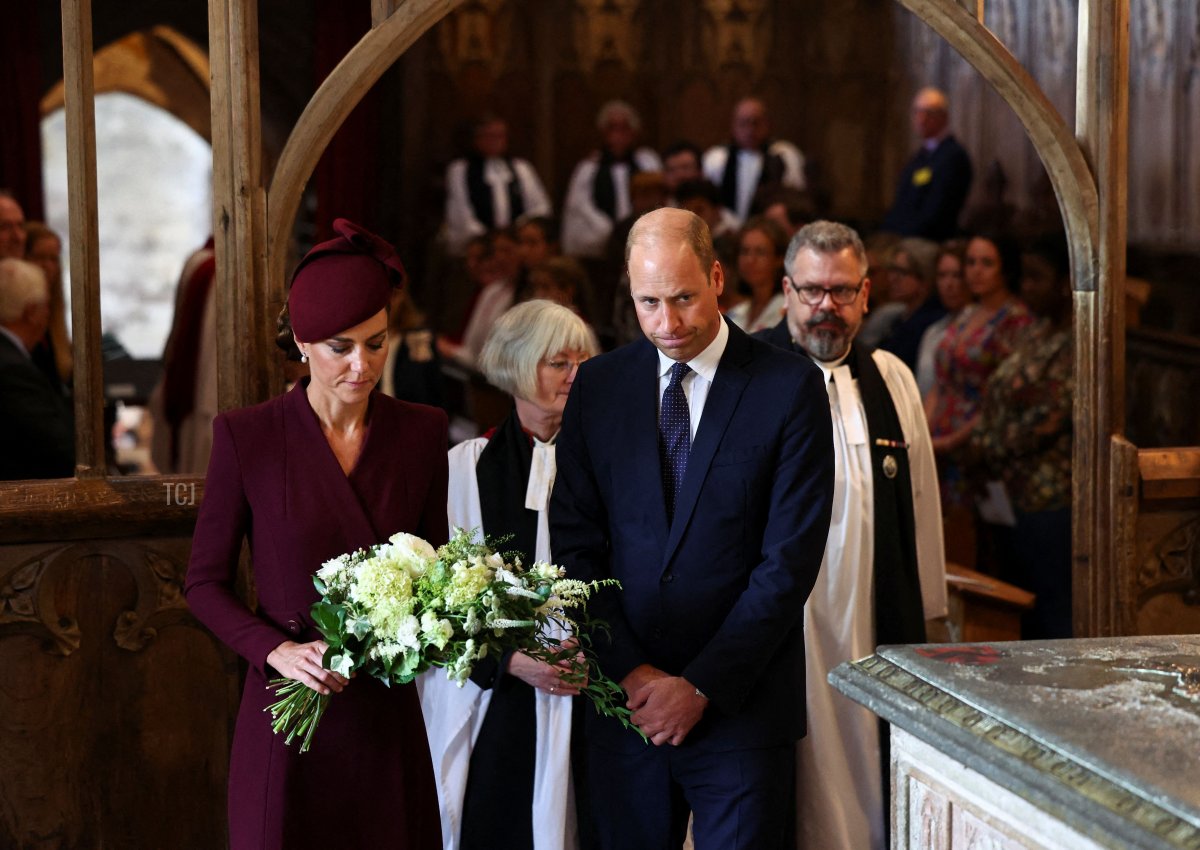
(696, 383)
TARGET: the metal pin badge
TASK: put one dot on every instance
(890, 467)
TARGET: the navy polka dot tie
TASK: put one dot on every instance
(674, 435)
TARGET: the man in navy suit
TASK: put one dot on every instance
(933, 186)
(37, 430)
(696, 468)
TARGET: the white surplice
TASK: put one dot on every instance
(454, 716)
(839, 784)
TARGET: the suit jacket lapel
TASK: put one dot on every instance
(722, 401)
(333, 487)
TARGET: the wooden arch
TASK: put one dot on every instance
(1087, 168)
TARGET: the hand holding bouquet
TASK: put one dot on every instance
(401, 607)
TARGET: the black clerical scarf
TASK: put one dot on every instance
(480, 192)
(899, 612)
(604, 191)
(771, 174)
(503, 755)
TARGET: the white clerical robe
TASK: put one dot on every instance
(454, 716)
(839, 777)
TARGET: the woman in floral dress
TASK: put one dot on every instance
(1024, 439)
(974, 345)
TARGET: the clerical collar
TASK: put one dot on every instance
(706, 362)
(827, 367)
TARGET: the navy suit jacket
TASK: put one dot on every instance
(930, 208)
(37, 428)
(716, 596)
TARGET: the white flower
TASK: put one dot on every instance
(407, 631)
(436, 632)
(411, 547)
(507, 577)
(545, 572)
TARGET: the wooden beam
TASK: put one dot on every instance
(1101, 124)
(245, 330)
(90, 439)
(381, 10)
(336, 97)
(117, 507)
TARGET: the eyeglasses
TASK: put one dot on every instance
(563, 364)
(841, 295)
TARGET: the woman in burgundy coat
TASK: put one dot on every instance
(329, 467)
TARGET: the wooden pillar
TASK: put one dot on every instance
(90, 438)
(245, 330)
(1101, 125)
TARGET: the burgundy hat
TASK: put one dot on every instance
(342, 283)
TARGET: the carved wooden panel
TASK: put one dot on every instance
(115, 705)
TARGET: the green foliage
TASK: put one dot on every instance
(402, 607)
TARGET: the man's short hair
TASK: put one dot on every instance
(21, 284)
(705, 189)
(523, 336)
(682, 147)
(691, 230)
(826, 237)
(618, 109)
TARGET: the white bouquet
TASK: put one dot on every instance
(401, 607)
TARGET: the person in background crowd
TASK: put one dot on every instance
(12, 227)
(499, 268)
(537, 241)
(761, 246)
(703, 199)
(185, 401)
(561, 280)
(911, 281)
(488, 189)
(934, 184)
(412, 371)
(752, 159)
(952, 291)
(974, 345)
(1024, 440)
(695, 468)
(501, 744)
(329, 467)
(681, 164)
(882, 312)
(53, 354)
(883, 574)
(37, 428)
(598, 193)
(791, 209)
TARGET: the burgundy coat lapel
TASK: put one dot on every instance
(321, 471)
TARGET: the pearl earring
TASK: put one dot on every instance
(303, 357)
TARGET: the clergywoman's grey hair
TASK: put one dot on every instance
(523, 336)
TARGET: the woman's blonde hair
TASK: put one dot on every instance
(525, 335)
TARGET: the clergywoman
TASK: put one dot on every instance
(329, 467)
(502, 743)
